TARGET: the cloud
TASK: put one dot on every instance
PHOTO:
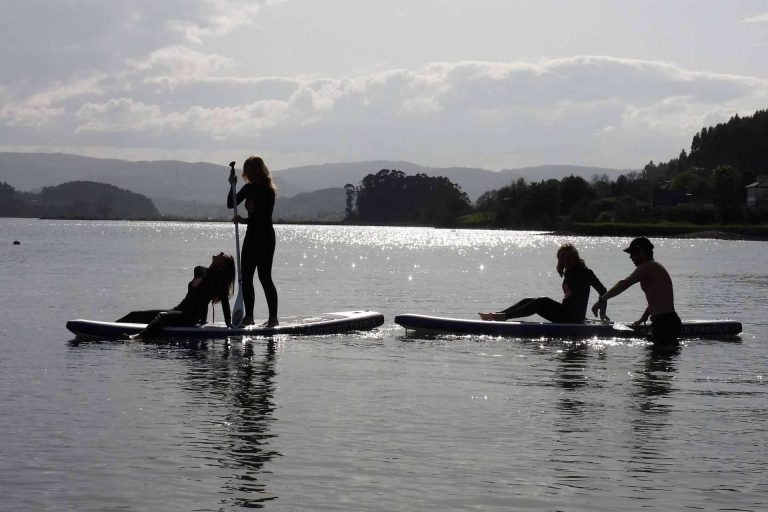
(585, 109)
(216, 18)
(40, 109)
(120, 115)
(79, 36)
(758, 18)
(304, 107)
(176, 64)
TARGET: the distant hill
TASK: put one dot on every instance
(325, 205)
(192, 209)
(473, 181)
(82, 199)
(198, 190)
(162, 179)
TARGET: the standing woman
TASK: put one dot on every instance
(259, 244)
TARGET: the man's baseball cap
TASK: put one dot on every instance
(641, 243)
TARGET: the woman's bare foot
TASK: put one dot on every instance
(272, 322)
(247, 320)
(496, 317)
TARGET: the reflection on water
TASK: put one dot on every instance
(654, 380)
(653, 405)
(577, 416)
(571, 375)
(372, 421)
(253, 405)
(412, 238)
(570, 372)
(248, 388)
(237, 381)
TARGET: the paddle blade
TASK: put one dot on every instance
(238, 312)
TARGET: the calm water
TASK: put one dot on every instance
(378, 420)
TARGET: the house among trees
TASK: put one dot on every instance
(757, 194)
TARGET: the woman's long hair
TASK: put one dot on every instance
(256, 172)
(570, 250)
(224, 279)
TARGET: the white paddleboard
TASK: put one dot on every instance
(327, 323)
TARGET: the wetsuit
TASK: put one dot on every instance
(258, 245)
(573, 308)
(193, 308)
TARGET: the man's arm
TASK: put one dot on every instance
(615, 290)
(618, 288)
(642, 320)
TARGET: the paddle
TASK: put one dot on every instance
(238, 312)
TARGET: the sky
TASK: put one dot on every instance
(477, 83)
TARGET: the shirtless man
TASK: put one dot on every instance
(657, 285)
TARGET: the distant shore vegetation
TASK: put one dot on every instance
(76, 199)
(392, 197)
(720, 187)
(704, 192)
(701, 190)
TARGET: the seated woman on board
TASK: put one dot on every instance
(577, 280)
(209, 285)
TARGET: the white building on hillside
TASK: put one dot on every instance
(757, 194)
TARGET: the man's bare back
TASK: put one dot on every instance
(657, 285)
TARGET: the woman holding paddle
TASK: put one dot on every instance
(259, 193)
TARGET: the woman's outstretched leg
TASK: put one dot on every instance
(545, 307)
(165, 319)
(140, 317)
(516, 310)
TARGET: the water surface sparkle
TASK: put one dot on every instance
(377, 420)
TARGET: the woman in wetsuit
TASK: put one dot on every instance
(209, 285)
(259, 244)
(577, 280)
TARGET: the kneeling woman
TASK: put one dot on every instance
(577, 280)
(209, 285)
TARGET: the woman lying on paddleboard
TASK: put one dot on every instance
(577, 280)
(209, 285)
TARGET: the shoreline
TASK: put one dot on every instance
(754, 232)
(704, 234)
(757, 232)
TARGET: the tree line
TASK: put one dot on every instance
(705, 186)
(76, 199)
(392, 197)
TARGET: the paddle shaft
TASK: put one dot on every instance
(239, 299)
(237, 231)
